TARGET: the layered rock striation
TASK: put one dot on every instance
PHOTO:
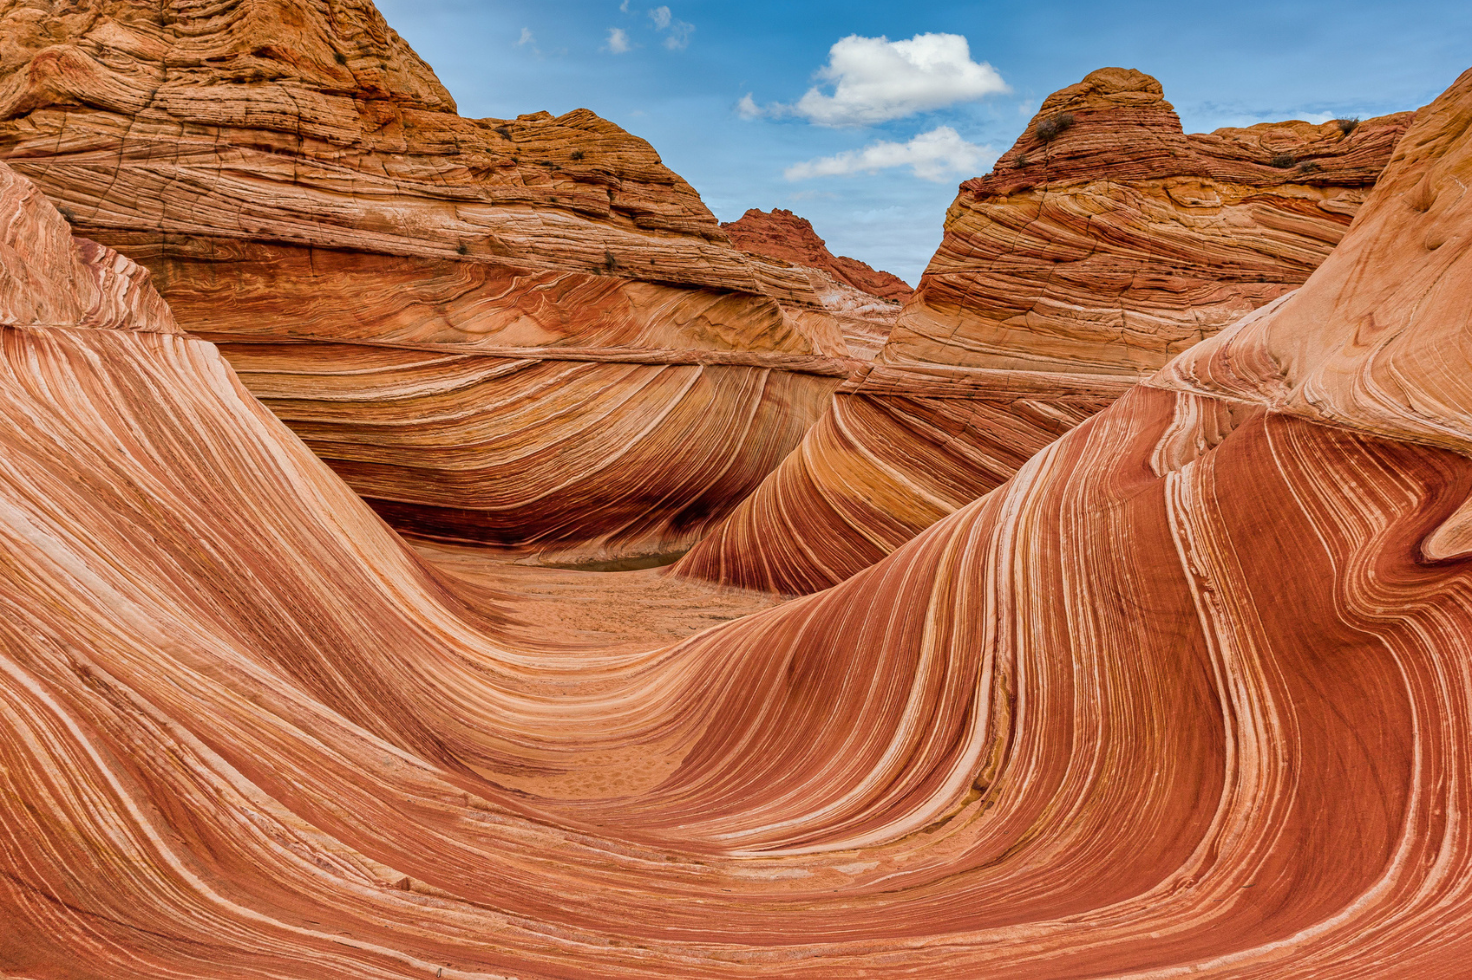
(1110, 244)
(439, 305)
(864, 302)
(1188, 695)
(1103, 243)
(785, 237)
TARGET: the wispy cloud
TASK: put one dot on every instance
(677, 32)
(618, 41)
(529, 40)
(747, 107)
(875, 80)
(935, 155)
(679, 36)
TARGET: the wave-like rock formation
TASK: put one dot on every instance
(1189, 695)
(442, 307)
(1105, 241)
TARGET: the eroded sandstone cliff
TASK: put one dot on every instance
(1104, 242)
(441, 306)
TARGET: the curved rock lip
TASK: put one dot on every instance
(830, 367)
(941, 381)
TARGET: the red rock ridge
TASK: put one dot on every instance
(779, 234)
(468, 318)
(1082, 262)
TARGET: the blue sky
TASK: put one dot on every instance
(676, 74)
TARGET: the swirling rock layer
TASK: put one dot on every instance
(531, 449)
(292, 171)
(1190, 694)
(1095, 251)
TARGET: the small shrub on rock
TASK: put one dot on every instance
(1283, 161)
(1051, 128)
(1347, 126)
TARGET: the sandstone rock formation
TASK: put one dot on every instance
(1122, 241)
(865, 302)
(1190, 695)
(817, 289)
(441, 306)
(1104, 242)
(783, 236)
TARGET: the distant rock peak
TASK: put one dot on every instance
(1116, 123)
(784, 236)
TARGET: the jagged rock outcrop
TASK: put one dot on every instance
(1188, 696)
(865, 302)
(438, 304)
(1104, 242)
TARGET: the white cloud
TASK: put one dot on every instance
(679, 37)
(930, 156)
(661, 17)
(623, 8)
(618, 41)
(876, 79)
(747, 108)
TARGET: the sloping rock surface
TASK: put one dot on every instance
(304, 192)
(1104, 242)
(1189, 695)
